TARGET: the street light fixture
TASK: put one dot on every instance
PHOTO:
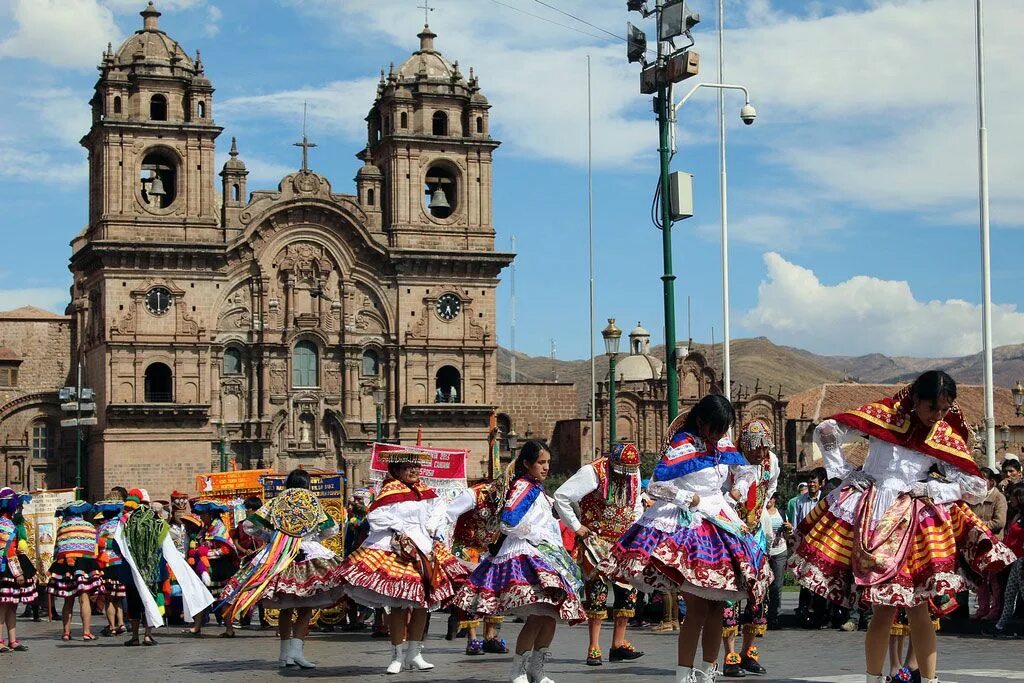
(513, 443)
(380, 394)
(1018, 397)
(747, 114)
(612, 336)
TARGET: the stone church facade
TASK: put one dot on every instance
(215, 321)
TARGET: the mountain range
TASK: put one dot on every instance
(758, 362)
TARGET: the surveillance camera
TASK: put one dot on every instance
(748, 113)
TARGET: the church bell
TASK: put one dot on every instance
(156, 188)
(438, 200)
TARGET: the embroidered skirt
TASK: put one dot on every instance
(629, 561)
(112, 586)
(314, 582)
(545, 584)
(381, 578)
(13, 593)
(69, 580)
(917, 551)
(709, 562)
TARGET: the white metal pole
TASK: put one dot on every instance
(986, 272)
(726, 366)
(590, 247)
(512, 363)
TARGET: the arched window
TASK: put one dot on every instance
(449, 385)
(236, 193)
(42, 443)
(403, 120)
(117, 105)
(304, 365)
(480, 124)
(201, 109)
(158, 108)
(371, 197)
(159, 384)
(232, 361)
(440, 123)
(158, 179)
(371, 363)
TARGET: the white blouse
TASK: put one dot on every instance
(537, 526)
(579, 485)
(420, 520)
(711, 484)
(895, 469)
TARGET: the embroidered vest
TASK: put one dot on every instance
(609, 520)
(471, 531)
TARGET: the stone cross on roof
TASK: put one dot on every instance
(305, 144)
(427, 9)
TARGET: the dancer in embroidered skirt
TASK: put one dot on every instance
(109, 561)
(74, 572)
(755, 444)
(891, 533)
(607, 494)
(531, 575)
(473, 514)
(691, 539)
(293, 572)
(215, 547)
(401, 566)
(17, 575)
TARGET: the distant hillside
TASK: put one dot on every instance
(759, 361)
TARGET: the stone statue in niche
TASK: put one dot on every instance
(305, 430)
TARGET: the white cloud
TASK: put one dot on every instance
(64, 33)
(136, 6)
(19, 164)
(866, 314)
(48, 298)
(213, 17)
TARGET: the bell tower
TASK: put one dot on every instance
(428, 134)
(151, 145)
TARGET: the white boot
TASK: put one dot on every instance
(285, 658)
(707, 674)
(298, 656)
(397, 659)
(684, 674)
(930, 680)
(414, 657)
(519, 663)
(871, 678)
(536, 666)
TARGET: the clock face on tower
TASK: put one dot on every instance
(448, 306)
(158, 300)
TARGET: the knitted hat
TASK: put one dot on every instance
(625, 457)
(78, 508)
(109, 507)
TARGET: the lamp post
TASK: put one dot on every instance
(747, 115)
(1018, 397)
(379, 396)
(223, 429)
(612, 336)
(513, 443)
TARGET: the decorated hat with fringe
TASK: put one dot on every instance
(625, 457)
(755, 434)
(78, 508)
(189, 518)
(406, 456)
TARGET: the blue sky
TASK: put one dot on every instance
(852, 200)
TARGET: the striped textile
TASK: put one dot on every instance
(75, 538)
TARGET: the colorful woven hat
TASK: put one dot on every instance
(625, 457)
(406, 456)
(6, 493)
(209, 505)
(189, 518)
(109, 507)
(78, 508)
(24, 498)
(755, 434)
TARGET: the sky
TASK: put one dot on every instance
(853, 199)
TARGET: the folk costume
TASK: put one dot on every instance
(17, 574)
(607, 494)
(143, 541)
(899, 531)
(753, 617)
(706, 550)
(74, 569)
(215, 544)
(473, 513)
(107, 556)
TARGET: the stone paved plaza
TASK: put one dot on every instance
(789, 655)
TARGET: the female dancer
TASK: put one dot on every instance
(691, 539)
(531, 575)
(890, 534)
(110, 561)
(74, 572)
(215, 545)
(17, 575)
(293, 572)
(400, 566)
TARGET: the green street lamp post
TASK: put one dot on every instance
(379, 396)
(612, 336)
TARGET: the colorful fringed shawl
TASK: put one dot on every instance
(292, 515)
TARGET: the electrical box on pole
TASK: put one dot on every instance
(681, 194)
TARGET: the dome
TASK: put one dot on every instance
(152, 47)
(637, 368)
(368, 170)
(639, 332)
(426, 61)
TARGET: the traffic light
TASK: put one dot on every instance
(636, 43)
